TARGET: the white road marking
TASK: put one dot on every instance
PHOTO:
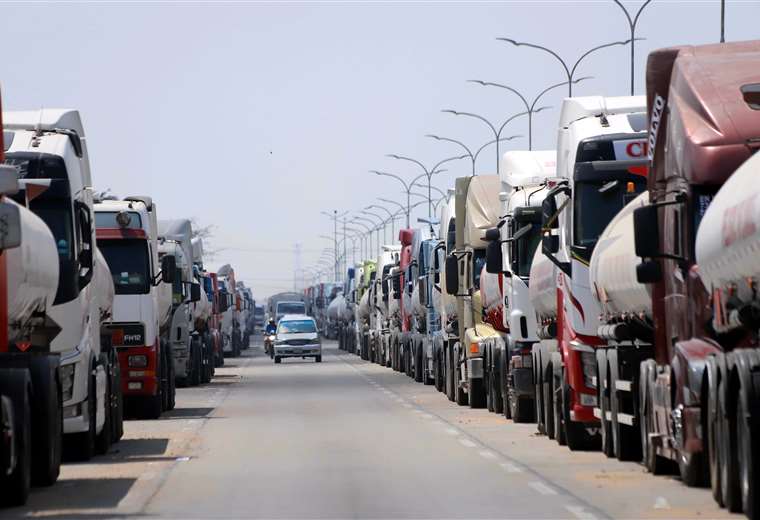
(183, 459)
(661, 503)
(427, 416)
(467, 443)
(452, 431)
(542, 488)
(580, 513)
(487, 454)
(510, 468)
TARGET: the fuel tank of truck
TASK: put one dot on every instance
(32, 270)
(543, 286)
(612, 271)
(728, 239)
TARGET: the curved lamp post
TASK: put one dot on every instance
(428, 173)
(496, 133)
(530, 107)
(473, 157)
(569, 71)
(633, 21)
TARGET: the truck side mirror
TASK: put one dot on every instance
(10, 233)
(646, 234)
(549, 213)
(168, 268)
(649, 272)
(452, 275)
(422, 286)
(396, 280)
(195, 292)
(549, 244)
(494, 259)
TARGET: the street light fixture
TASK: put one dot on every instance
(407, 187)
(496, 133)
(632, 22)
(428, 173)
(569, 71)
(529, 107)
(473, 157)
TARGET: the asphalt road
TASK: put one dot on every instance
(348, 439)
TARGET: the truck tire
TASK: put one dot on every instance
(557, 415)
(548, 395)
(419, 370)
(47, 420)
(477, 391)
(603, 399)
(438, 372)
(577, 436)
(81, 446)
(17, 385)
(449, 376)
(318, 359)
(277, 359)
(163, 371)
(539, 391)
(714, 370)
(172, 398)
(117, 421)
(103, 439)
(196, 357)
(151, 406)
(746, 441)
(627, 442)
(496, 386)
(729, 477)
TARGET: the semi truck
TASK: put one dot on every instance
(380, 289)
(477, 210)
(127, 234)
(175, 239)
(233, 337)
(49, 149)
(401, 326)
(445, 303)
(527, 176)
(425, 317)
(601, 155)
(669, 319)
(30, 392)
(202, 312)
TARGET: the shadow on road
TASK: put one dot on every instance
(74, 493)
(188, 413)
(128, 448)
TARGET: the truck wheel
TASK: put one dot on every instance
(577, 436)
(163, 385)
(197, 363)
(117, 418)
(81, 446)
(559, 431)
(172, 398)
(103, 439)
(16, 384)
(746, 440)
(419, 371)
(496, 385)
(450, 377)
(151, 407)
(438, 372)
(277, 359)
(548, 395)
(729, 477)
(539, 392)
(603, 399)
(47, 421)
(318, 359)
(713, 371)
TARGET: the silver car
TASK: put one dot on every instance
(297, 336)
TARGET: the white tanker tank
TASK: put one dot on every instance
(338, 308)
(363, 310)
(612, 271)
(33, 268)
(728, 241)
(543, 287)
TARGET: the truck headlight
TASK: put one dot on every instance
(140, 361)
(588, 360)
(67, 381)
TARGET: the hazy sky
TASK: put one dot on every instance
(256, 116)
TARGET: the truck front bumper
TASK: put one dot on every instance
(138, 380)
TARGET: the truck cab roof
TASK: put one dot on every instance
(520, 168)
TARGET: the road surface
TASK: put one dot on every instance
(348, 439)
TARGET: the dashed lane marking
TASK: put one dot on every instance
(580, 513)
(487, 454)
(542, 488)
(467, 443)
(452, 431)
(510, 468)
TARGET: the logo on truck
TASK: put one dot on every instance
(658, 106)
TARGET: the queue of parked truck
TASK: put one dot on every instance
(105, 308)
(608, 290)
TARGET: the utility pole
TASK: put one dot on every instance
(296, 265)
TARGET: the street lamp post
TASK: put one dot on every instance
(496, 133)
(334, 216)
(428, 173)
(381, 221)
(357, 218)
(407, 187)
(632, 22)
(473, 157)
(358, 222)
(529, 107)
(390, 216)
(569, 71)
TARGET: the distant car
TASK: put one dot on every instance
(297, 336)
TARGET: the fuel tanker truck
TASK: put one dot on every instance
(697, 405)
(337, 314)
(30, 394)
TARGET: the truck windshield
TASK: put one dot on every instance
(56, 213)
(291, 308)
(597, 201)
(297, 326)
(129, 264)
